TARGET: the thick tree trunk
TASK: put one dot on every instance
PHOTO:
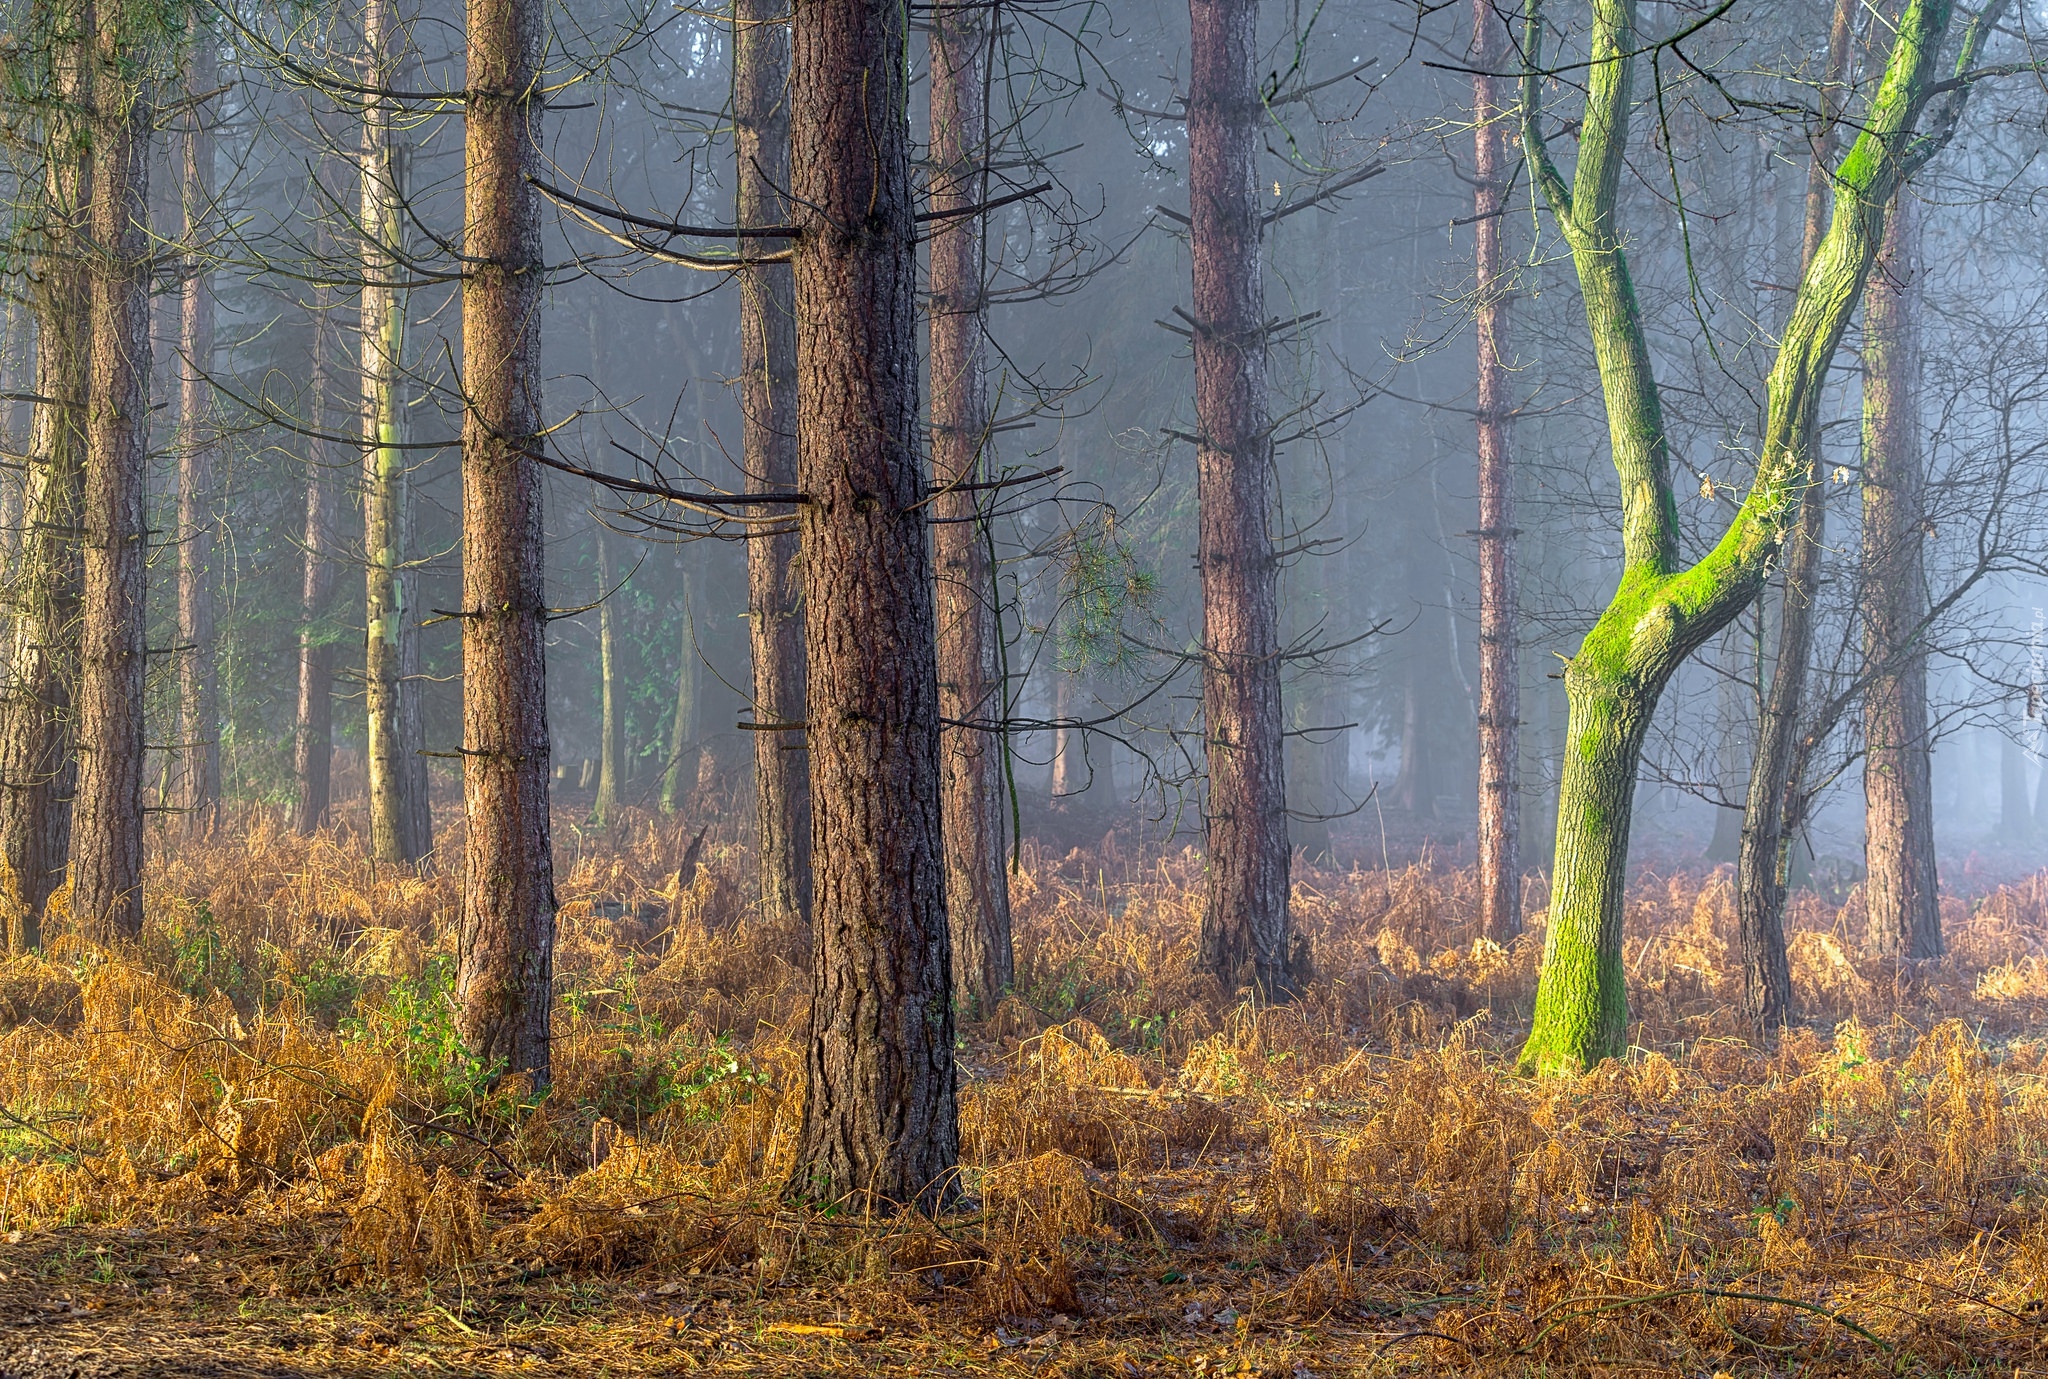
(1245, 936)
(38, 766)
(313, 735)
(1774, 807)
(505, 976)
(106, 858)
(681, 770)
(1500, 708)
(1900, 892)
(605, 811)
(198, 799)
(880, 1121)
(768, 430)
(399, 829)
(970, 676)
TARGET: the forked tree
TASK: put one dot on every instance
(971, 694)
(1899, 894)
(1500, 791)
(38, 768)
(880, 1123)
(1245, 935)
(505, 961)
(106, 853)
(1663, 610)
(768, 431)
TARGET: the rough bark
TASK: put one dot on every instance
(880, 1123)
(970, 676)
(38, 768)
(198, 797)
(768, 430)
(505, 975)
(1900, 893)
(1500, 709)
(313, 732)
(400, 831)
(1774, 806)
(1663, 611)
(606, 810)
(1245, 934)
(106, 858)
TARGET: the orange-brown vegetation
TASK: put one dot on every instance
(254, 1134)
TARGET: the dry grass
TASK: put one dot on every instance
(252, 1141)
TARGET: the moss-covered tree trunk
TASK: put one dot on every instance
(1662, 611)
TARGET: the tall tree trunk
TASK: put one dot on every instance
(1774, 807)
(198, 798)
(681, 770)
(398, 833)
(880, 1122)
(313, 736)
(1662, 610)
(1245, 935)
(605, 812)
(970, 677)
(38, 766)
(505, 967)
(768, 431)
(1414, 791)
(106, 858)
(1500, 708)
(1900, 892)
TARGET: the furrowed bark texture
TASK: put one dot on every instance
(1662, 611)
(1500, 708)
(1774, 807)
(1244, 936)
(106, 855)
(970, 677)
(880, 1120)
(400, 830)
(505, 973)
(38, 766)
(198, 798)
(768, 429)
(1899, 893)
(313, 734)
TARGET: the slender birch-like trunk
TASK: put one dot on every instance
(605, 811)
(1500, 706)
(38, 763)
(768, 438)
(1900, 894)
(313, 733)
(399, 828)
(880, 1120)
(1245, 936)
(198, 796)
(505, 963)
(970, 678)
(106, 856)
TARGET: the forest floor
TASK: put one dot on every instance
(250, 1144)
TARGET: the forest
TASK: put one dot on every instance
(1073, 689)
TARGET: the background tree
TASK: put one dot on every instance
(198, 797)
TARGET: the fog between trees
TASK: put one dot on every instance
(1351, 432)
